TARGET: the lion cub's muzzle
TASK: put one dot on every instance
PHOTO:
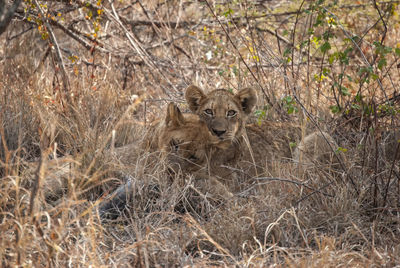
(219, 128)
(218, 133)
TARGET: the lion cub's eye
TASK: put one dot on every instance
(208, 112)
(193, 158)
(231, 113)
(174, 145)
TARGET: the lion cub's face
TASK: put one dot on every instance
(185, 140)
(224, 113)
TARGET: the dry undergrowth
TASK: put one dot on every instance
(337, 216)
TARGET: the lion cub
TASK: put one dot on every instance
(225, 115)
(185, 145)
(184, 140)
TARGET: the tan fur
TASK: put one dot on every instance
(55, 176)
(269, 143)
(272, 143)
(225, 115)
(186, 144)
(182, 140)
(319, 152)
(185, 140)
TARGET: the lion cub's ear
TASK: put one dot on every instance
(174, 116)
(248, 99)
(193, 96)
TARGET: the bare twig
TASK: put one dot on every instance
(383, 21)
(137, 46)
(237, 50)
(268, 179)
(312, 193)
(57, 48)
(74, 34)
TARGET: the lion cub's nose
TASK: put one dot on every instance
(219, 133)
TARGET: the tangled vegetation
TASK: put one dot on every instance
(82, 81)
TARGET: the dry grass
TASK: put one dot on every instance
(317, 218)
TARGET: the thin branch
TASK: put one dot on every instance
(75, 34)
(383, 21)
(137, 46)
(312, 193)
(290, 181)
(240, 55)
(159, 24)
(57, 48)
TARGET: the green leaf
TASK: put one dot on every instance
(304, 43)
(327, 35)
(349, 78)
(363, 70)
(331, 58)
(287, 52)
(334, 109)
(340, 150)
(344, 91)
(235, 70)
(382, 62)
(228, 12)
(397, 51)
(325, 47)
(344, 56)
(374, 76)
(259, 113)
